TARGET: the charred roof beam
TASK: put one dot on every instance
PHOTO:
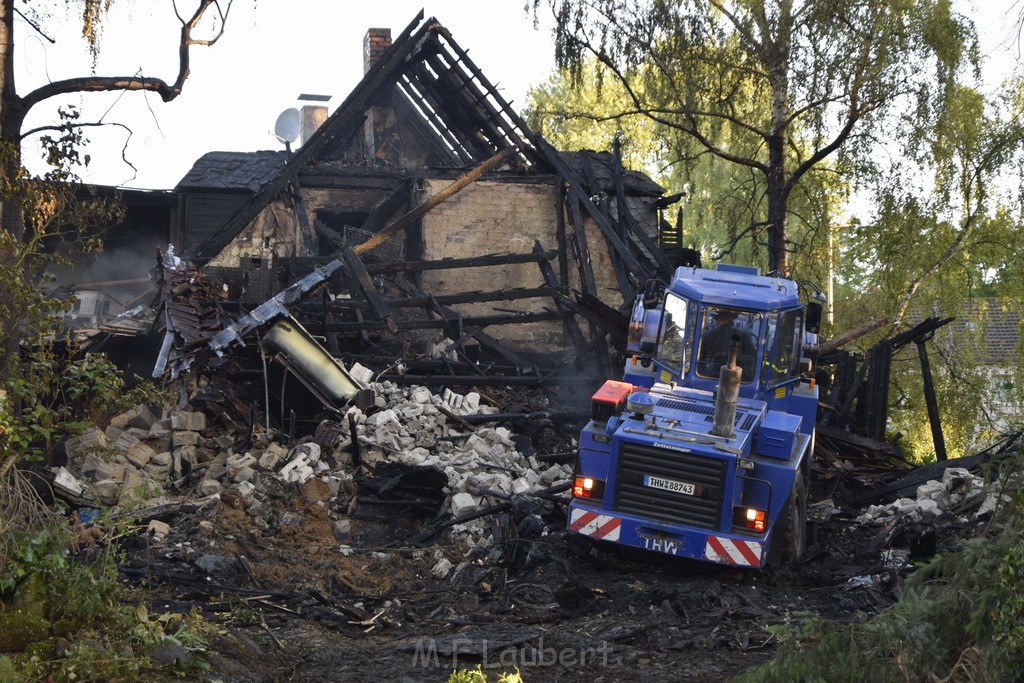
(465, 102)
(426, 124)
(517, 124)
(421, 101)
(455, 123)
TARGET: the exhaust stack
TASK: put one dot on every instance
(728, 394)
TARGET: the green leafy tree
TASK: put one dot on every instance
(37, 213)
(944, 232)
(722, 199)
(772, 86)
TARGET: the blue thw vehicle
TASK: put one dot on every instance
(703, 449)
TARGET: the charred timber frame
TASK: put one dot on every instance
(277, 306)
(628, 224)
(353, 112)
(866, 396)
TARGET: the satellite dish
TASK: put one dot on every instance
(287, 127)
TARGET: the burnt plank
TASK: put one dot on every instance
(475, 321)
(331, 235)
(561, 240)
(441, 96)
(593, 188)
(417, 212)
(490, 94)
(464, 100)
(579, 241)
(628, 223)
(636, 274)
(472, 262)
(302, 216)
(571, 326)
(604, 316)
(380, 214)
(424, 123)
(358, 271)
(512, 294)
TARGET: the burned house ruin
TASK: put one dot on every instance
(420, 229)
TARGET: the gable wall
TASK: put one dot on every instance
(501, 218)
(273, 232)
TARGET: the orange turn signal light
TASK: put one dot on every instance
(587, 487)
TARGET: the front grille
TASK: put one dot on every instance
(703, 511)
(688, 405)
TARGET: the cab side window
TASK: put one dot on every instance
(676, 333)
(786, 347)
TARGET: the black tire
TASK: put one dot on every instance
(790, 541)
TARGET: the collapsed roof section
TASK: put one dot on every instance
(459, 119)
(421, 226)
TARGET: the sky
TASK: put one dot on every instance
(271, 52)
(274, 50)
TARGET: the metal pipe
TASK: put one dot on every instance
(728, 394)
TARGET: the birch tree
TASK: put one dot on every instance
(743, 78)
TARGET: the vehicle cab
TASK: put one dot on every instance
(684, 334)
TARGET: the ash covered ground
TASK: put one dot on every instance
(414, 537)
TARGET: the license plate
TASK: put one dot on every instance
(670, 485)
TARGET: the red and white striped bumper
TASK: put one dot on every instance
(681, 541)
(729, 551)
(601, 527)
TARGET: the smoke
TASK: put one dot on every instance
(115, 264)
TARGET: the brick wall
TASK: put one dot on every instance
(499, 218)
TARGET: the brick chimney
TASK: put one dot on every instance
(377, 40)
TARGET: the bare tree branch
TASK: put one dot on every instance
(36, 27)
(167, 91)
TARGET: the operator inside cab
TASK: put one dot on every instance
(721, 329)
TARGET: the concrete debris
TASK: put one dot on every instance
(958, 492)
(361, 373)
(67, 482)
(187, 420)
(463, 503)
(475, 468)
(443, 568)
(159, 530)
(208, 487)
(91, 442)
(107, 491)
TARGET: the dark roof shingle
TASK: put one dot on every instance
(234, 170)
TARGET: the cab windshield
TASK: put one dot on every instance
(722, 327)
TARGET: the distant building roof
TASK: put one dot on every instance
(234, 170)
(996, 322)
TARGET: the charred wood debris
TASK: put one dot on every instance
(319, 426)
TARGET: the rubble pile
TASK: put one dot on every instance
(958, 493)
(152, 461)
(415, 521)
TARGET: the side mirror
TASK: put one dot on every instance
(813, 317)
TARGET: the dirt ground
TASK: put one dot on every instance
(364, 586)
(298, 605)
